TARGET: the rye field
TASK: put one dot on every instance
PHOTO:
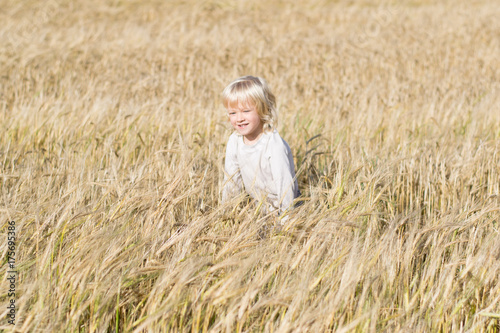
(112, 142)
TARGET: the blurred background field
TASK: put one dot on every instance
(112, 139)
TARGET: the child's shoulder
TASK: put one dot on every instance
(233, 137)
(275, 136)
(232, 141)
(277, 143)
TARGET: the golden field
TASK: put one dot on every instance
(112, 146)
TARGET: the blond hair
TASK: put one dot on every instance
(253, 89)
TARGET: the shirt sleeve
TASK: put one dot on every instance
(232, 176)
(283, 172)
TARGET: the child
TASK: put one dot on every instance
(257, 158)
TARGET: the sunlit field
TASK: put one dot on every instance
(112, 143)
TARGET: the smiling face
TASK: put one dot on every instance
(246, 121)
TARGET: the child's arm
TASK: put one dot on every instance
(232, 178)
(283, 171)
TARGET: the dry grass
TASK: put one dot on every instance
(112, 142)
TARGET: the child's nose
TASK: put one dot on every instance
(239, 116)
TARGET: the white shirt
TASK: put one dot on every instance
(265, 170)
